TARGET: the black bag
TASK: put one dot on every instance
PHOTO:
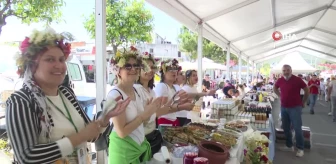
(155, 139)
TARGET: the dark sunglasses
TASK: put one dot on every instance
(130, 66)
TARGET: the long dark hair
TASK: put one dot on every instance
(151, 81)
(162, 76)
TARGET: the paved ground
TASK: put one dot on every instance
(324, 138)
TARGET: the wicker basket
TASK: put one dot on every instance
(4, 96)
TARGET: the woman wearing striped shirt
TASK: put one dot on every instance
(45, 123)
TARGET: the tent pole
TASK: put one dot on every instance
(100, 13)
(227, 77)
(200, 55)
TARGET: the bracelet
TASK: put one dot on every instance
(177, 107)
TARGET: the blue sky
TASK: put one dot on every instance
(74, 14)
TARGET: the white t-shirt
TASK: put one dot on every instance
(162, 89)
(333, 85)
(302, 91)
(132, 111)
(322, 85)
(62, 126)
(146, 95)
(188, 89)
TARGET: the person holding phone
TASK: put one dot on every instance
(314, 86)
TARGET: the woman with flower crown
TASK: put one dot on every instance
(45, 123)
(168, 72)
(128, 144)
(145, 86)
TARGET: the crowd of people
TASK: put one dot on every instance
(46, 124)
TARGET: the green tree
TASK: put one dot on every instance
(265, 69)
(68, 36)
(29, 11)
(127, 21)
(188, 44)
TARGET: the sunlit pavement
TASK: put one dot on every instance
(323, 149)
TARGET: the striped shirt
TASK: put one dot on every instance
(23, 124)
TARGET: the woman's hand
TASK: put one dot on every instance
(187, 106)
(183, 97)
(119, 108)
(211, 92)
(152, 106)
(90, 132)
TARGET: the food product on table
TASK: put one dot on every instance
(227, 140)
(200, 125)
(179, 152)
(189, 157)
(236, 125)
(192, 134)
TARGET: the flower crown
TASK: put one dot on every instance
(37, 43)
(148, 56)
(169, 64)
(120, 58)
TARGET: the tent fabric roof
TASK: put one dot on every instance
(295, 60)
(247, 25)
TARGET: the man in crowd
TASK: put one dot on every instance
(291, 107)
(206, 83)
(313, 85)
(302, 91)
(228, 86)
(332, 98)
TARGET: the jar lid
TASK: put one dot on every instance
(191, 154)
(200, 159)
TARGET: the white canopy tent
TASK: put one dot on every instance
(298, 64)
(207, 63)
(244, 28)
(241, 27)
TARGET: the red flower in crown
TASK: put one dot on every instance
(264, 158)
(157, 59)
(24, 45)
(66, 48)
(133, 48)
(146, 53)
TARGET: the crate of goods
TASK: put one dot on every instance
(259, 124)
(224, 104)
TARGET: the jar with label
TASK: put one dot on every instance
(189, 157)
(201, 160)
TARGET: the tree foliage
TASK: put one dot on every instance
(29, 11)
(127, 21)
(265, 69)
(188, 44)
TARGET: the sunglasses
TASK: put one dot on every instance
(130, 66)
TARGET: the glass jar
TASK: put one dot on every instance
(201, 160)
(189, 157)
